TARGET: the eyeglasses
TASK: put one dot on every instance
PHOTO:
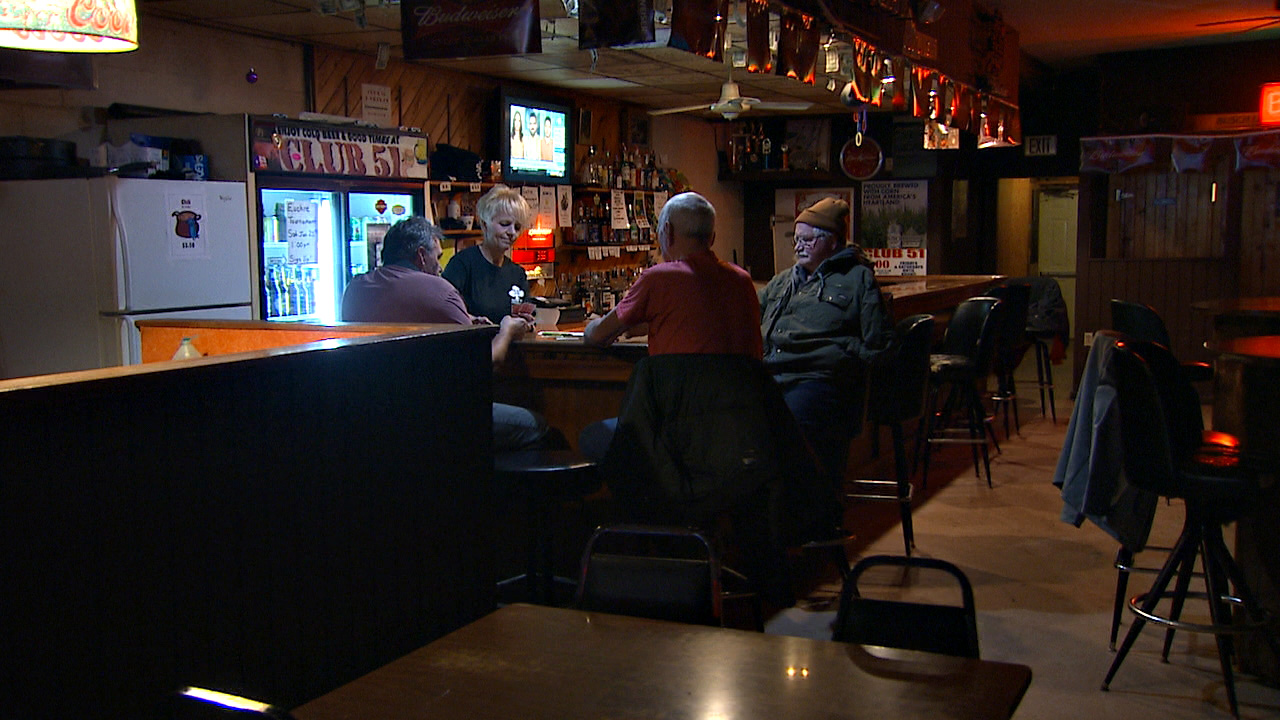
(807, 239)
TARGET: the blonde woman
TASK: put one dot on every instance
(488, 280)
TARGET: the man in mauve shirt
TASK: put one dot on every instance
(694, 302)
(407, 288)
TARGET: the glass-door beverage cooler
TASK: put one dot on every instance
(326, 197)
(314, 240)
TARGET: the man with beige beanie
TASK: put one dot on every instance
(823, 320)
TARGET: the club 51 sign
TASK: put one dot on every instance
(327, 150)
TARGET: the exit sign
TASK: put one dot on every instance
(1269, 106)
(1041, 145)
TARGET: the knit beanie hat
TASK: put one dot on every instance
(828, 214)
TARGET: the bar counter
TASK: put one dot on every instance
(280, 521)
(569, 382)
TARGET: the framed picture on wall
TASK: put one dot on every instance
(584, 126)
(635, 128)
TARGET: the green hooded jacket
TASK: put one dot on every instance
(830, 327)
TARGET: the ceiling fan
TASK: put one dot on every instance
(1260, 22)
(732, 103)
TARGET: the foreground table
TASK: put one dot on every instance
(535, 662)
(1246, 393)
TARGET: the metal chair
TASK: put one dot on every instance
(954, 374)
(948, 629)
(896, 391)
(1164, 452)
(664, 573)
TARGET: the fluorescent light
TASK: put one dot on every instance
(57, 26)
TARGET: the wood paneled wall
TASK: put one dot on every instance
(1170, 286)
(275, 526)
(451, 107)
(1260, 233)
(1168, 214)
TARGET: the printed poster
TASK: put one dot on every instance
(895, 225)
(189, 240)
(564, 206)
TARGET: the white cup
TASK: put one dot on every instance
(546, 318)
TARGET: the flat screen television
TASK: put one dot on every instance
(534, 139)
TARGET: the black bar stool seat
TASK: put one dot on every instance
(543, 479)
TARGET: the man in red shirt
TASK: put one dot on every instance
(694, 302)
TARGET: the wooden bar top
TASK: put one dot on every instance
(537, 662)
(934, 294)
(160, 338)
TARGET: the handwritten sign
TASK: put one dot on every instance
(301, 225)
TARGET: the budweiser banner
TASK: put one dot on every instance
(608, 23)
(314, 149)
(1193, 154)
(469, 28)
(1258, 151)
(1113, 155)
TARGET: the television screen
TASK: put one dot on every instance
(537, 147)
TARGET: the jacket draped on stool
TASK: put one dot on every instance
(1090, 469)
(704, 436)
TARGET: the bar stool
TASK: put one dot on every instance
(1011, 344)
(543, 480)
(1040, 340)
(896, 393)
(1164, 452)
(954, 375)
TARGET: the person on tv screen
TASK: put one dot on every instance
(517, 133)
(548, 138)
(533, 149)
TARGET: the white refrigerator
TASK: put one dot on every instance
(83, 259)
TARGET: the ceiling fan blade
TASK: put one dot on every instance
(767, 105)
(1271, 18)
(686, 108)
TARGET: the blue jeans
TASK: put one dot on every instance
(516, 428)
(594, 439)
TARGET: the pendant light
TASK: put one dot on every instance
(91, 26)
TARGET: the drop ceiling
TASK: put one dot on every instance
(1059, 33)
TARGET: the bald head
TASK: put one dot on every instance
(686, 224)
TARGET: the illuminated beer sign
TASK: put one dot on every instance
(1269, 106)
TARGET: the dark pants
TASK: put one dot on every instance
(829, 417)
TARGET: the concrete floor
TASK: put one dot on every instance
(1043, 588)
